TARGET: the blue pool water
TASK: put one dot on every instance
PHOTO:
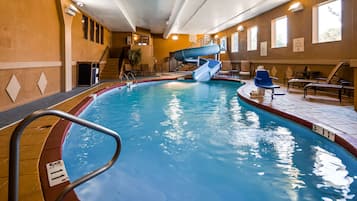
(184, 140)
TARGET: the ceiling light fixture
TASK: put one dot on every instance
(80, 4)
(295, 7)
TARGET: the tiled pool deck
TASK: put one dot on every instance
(339, 118)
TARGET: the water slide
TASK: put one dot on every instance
(207, 67)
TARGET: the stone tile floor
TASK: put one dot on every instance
(323, 109)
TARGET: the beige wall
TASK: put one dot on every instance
(119, 40)
(320, 57)
(299, 25)
(30, 38)
(31, 44)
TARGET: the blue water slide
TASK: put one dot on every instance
(207, 68)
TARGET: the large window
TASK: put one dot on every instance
(97, 30)
(252, 40)
(279, 32)
(85, 26)
(101, 35)
(327, 23)
(235, 42)
(91, 29)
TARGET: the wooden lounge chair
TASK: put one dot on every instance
(263, 80)
(323, 81)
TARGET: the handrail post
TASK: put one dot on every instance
(14, 154)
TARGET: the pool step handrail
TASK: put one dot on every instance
(13, 182)
(129, 77)
(131, 74)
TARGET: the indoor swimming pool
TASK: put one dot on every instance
(185, 140)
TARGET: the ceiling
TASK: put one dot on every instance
(174, 16)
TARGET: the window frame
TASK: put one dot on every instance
(249, 42)
(315, 23)
(274, 32)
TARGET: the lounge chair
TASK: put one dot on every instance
(263, 80)
(324, 81)
(339, 87)
(330, 83)
(245, 68)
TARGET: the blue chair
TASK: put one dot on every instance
(263, 80)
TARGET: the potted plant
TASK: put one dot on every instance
(134, 57)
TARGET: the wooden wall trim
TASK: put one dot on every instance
(297, 61)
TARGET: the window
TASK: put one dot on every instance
(85, 26)
(252, 40)
(279, 32)
(234, 42)
(91, 30)
(101, 35)
(327, 23)
(97, 32)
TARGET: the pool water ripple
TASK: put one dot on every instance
(184, 140)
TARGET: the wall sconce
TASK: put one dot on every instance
(216, 36)
(174, 37)
(71, 10)
(295, 7)
(80, 4)
(240, 28)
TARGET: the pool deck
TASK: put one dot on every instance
(324, 111)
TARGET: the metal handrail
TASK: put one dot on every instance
(13, 185)
(130, 74)
(126, 77)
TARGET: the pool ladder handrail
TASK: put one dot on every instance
(13, 183)
(128, 76)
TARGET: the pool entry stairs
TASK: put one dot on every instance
(57, 166)
(207, 67)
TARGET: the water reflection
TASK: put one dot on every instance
(252, 143)
(333, 174)
(174, 113)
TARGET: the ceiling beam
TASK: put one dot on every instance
(121, 7)
(174, 16)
